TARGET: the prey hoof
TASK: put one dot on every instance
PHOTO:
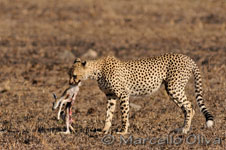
(66, 132)
(72, 129)
(122, 133)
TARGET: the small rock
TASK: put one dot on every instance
(66, 56)
(5, 87)
(34, 81)
(90, 54)
(90, 111)
(135, 106)
(3, 91)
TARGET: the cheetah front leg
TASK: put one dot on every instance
(111, 103)
(124, 106)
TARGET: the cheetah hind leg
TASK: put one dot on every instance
(183, 130)
(187, 123)
(181, 101)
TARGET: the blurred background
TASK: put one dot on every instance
(39, 40)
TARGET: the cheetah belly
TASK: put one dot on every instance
(144, 89)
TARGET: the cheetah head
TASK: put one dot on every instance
(78, 72)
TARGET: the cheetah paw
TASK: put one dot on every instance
(102, 132)
(105, 131)
(181, 130)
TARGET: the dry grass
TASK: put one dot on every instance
(38, 38)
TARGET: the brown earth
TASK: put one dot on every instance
(39, 40)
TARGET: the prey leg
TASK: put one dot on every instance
(68, 126)
(61, 105)
(70, 109)
(68, 119)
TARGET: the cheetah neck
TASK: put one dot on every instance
(95, 67)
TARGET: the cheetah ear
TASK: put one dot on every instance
(84, 63)
(77, 60)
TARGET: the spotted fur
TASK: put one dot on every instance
(120, 79)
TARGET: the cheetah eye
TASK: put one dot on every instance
(74, 76)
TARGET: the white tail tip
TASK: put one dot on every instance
(209, 123)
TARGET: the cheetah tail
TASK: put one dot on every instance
(199, 97)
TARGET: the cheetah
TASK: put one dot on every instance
(120, 79)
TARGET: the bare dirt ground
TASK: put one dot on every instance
(39, 40)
